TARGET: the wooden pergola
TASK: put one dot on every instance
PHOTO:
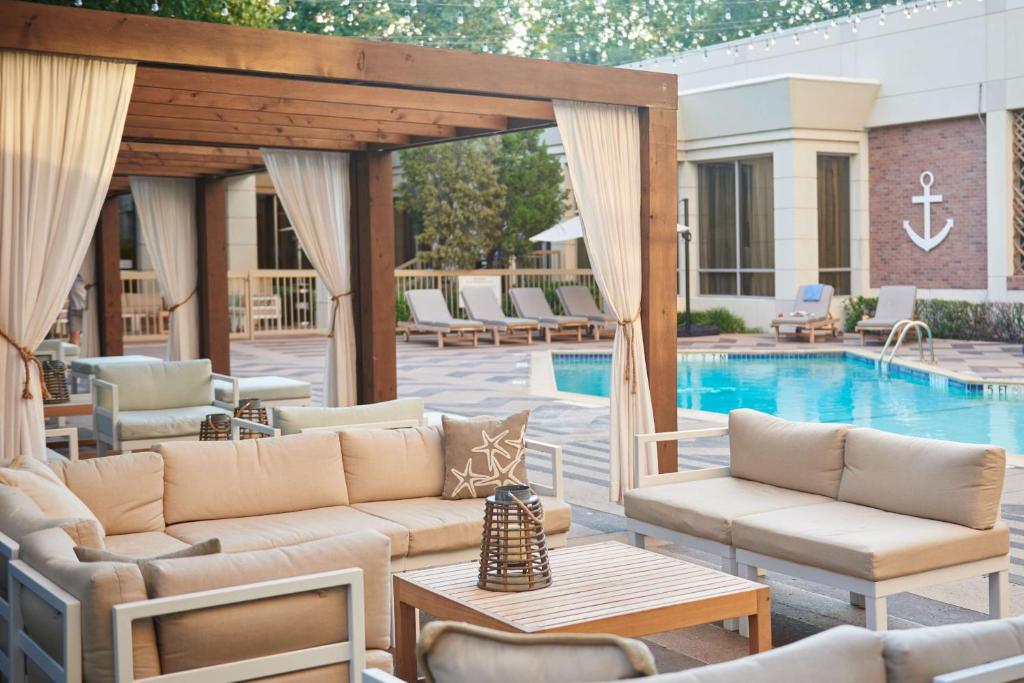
(208, 96)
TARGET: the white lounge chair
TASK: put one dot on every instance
(895, 303)
(811, 312)
(483, 305)
(531, 303)
(430, 314)
(578, 301)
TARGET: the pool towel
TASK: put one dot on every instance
(813, 292)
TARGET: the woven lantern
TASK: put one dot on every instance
(514, 552)
(56, 380)
(215, 427)
(250, 410)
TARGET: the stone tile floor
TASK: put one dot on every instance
(467, 381)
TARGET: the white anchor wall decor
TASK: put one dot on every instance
(928, 241)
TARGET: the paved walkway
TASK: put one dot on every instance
(468, 381)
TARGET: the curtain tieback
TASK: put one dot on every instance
(89, 285)
(334, 310)
(172, 309)
(629, 373)
(28, 358)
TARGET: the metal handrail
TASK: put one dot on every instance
(903, 327)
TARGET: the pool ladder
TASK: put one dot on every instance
(903, 327)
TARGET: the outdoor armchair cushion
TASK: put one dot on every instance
(437, 525)
(845, 654)
(87, 366)
(156, 386)
(453, 652)
(918, 655)
(222, 479)
(260, 532)
(293, 419)
(20, 516)
(265, 388)
(253, 629)
(707, 508)
(153, 425)
(802, 456)
(863, 542)
(47, 491)
(391, 464)
(963, 484)
(125, 493)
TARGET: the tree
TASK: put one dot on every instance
(532, 179)
(452, 191)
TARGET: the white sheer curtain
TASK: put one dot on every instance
(90, 345)
(602, 149)
(167, 217)
(60, 126)
(314, 189)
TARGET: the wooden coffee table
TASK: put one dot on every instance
(597, 588)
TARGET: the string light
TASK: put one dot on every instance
(155, 7)
(290, 14)
(224, 10)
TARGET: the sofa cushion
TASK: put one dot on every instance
(803, 456)
(45, 488)
(224, 479)
(865, 542)
(156, 386)
(208, 547)
(289, 528)
(707, 508)
(126, 493)
(265, 388)
(437, 525)
(87, 366)
(918, 655)
(98, 586)
(953, 482)
(165, 423)
(212, 636)
(390, 464)
(293, 419)
(145, 544)
(848, 654)
(332, 673)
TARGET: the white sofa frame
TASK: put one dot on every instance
(114, 442)
(871, 595)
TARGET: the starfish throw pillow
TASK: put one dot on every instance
(483, 453)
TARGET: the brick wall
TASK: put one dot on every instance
(954, 151)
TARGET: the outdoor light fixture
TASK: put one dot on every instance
(688, 329)
(513, 551)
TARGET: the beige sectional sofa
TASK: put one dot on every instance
(866, 511)
(282, 508)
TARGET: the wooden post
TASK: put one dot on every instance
(214, 321)
(108, 279)
(658, 219)
(373, 276)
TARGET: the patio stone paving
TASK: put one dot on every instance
(467, 381)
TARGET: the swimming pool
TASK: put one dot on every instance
(825, 388)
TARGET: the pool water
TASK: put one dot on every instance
(826, 389)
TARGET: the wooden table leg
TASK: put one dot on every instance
(405, 638)
(760, 624)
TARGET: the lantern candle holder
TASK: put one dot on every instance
(513, 552)
(252, 411)
(215, 427)
(55, 378)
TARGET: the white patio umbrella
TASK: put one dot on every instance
(569, 229)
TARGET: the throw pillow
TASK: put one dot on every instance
(36, 480)
(208, 547)
(483, 453)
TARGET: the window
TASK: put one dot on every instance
(736, 241)
(834, 222)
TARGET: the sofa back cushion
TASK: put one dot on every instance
(293, 419)
(126, 493)
(40, 483)
(221, 479)
(943, 480)
(156, 386)
(921, 654)
(803, 456)
(392, 464)
(217, 635)
(98, 586)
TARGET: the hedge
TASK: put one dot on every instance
(985, 321)
(726, 321)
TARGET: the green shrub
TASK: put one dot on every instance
(726, 321)
(986, 321)
(857, 307)
(401, 308)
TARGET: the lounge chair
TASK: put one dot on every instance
(895, 303)
(430, 314)
(811, 312)
(578, 301)
(483, 305)
(531, 303)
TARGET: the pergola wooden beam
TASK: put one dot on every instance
(194, 136)
(113, 35)
(193, 150)
(230, 127)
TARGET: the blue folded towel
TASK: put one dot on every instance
(813, 292)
